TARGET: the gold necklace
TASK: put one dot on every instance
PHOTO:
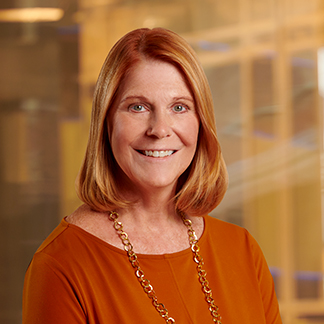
(145, 283)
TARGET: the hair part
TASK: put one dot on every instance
(203, 185)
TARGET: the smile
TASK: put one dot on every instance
(157, 154)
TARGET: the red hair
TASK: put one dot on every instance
(203, 185)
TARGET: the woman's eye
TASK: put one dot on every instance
(179, 108)
(137, 108)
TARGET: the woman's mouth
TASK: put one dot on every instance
(157, 154)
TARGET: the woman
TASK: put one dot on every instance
(141, 249)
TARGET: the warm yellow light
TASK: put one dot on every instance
(31, 14)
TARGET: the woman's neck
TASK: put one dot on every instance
(151, 231)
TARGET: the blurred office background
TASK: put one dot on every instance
(265, 63)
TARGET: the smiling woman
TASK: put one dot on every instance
(156, 104)
(142, 246)
(203, 185)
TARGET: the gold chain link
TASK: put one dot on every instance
(145, 283)
(213, 308)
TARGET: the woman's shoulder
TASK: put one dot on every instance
(227, 233)
(83, 216)
(82, 220)
(91, 221)
(52, 237)
(218, 225)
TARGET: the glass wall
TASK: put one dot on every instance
(261, 59)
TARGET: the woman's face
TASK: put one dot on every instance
(153, 126)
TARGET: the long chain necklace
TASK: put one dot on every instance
(145, 283)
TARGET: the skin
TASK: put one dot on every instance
(154, 112)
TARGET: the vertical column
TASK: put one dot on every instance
(283, 91)
(320, 72)
(246, 111)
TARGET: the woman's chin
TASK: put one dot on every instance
(155, 184)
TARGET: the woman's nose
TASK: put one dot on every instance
(159, 125)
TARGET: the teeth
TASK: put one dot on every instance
(158, 153)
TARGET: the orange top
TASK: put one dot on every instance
(75, 277)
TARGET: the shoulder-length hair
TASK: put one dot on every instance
(203, 185)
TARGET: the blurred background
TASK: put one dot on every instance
(265, 63)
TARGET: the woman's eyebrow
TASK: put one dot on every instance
(183, 98)
(134, 97)
(143, 98)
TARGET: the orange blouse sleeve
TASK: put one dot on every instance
(48, 297)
